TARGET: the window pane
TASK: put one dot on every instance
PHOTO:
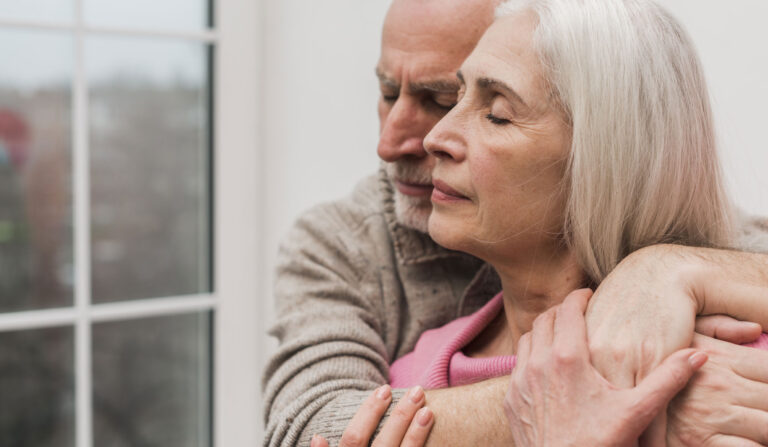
(152, 382)
(36, 261)
(186, 15)
(37, 388)
(149, 135)
(37, 10)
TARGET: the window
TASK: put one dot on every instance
(127, 236)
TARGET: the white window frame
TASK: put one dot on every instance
(238, 331)
(239, 267)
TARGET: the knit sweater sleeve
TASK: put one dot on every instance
(752, 233)
(330, 325)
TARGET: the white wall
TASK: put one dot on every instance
(733, 42)
(319, 112)
(319, 120)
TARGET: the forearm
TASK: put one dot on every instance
(316, 391)
(470, 415)
(732, 283)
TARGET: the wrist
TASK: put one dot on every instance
(683, 268)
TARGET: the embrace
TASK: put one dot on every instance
(547, 256)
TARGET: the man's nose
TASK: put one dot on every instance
(403, 131)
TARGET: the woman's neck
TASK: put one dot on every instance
(530, 288)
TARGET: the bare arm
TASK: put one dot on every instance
(732, 283)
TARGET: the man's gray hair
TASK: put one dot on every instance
(643, 165)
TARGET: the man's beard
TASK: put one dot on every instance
(412, 212)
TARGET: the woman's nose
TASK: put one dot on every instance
(445, 141)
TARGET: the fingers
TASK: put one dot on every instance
(749, 363)
(728, 329)
(570, 327)
(750, 393)
(731, 441)
(318, 441)
(654, 393)
(366, 420)
(748, 423)
(523, 351)
(396, 426)
(543, 330)
(418, 431)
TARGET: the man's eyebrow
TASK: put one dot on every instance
(491, 84)
(386, 80)
(436, 86)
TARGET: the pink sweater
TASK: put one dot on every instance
(438, 362)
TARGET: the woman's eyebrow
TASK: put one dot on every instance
(486, 83)
(494, 84)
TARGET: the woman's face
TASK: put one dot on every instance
(502, 152)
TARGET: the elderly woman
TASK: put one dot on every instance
(582, 133)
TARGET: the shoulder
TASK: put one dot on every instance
(343, 236)
(356, 219)
(751, 233)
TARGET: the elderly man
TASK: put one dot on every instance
(359, 279)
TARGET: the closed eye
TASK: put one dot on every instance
(496, 120)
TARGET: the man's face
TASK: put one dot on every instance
(423, 45)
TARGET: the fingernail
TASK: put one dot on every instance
(315, 441)
(424, 416)
(697, 359)
(384, 392)
(416, 394)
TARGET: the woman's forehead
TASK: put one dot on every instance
(508, 40)
(506, 53)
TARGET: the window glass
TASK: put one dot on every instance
(36, 260)
(37, 10)
(149, 145)
(152, 381)
(188, 15)
(37, 388)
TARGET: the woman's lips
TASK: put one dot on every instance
(444, 193)
(414, 189)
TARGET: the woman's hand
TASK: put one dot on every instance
(408, 425)
(726, 403)
(556, 397)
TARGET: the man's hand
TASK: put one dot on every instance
(646, 308)
(407, 426)
(556, 397)
(723, 327)
(726, 403)
(642, 312)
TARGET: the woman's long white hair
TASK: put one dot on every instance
(643, 165)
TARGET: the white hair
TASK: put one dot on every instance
(643, 165)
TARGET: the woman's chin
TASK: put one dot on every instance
(447, 233)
